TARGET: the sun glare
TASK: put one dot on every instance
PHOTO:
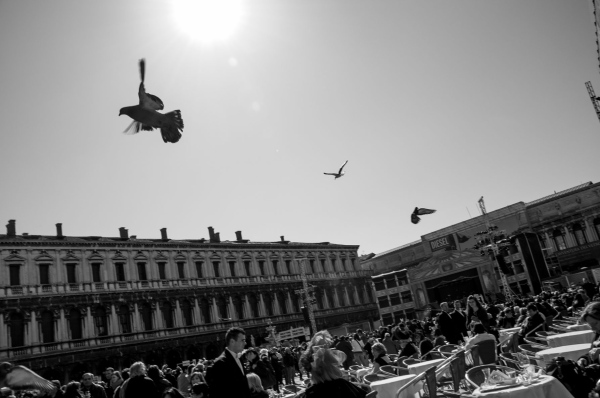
(208, 20)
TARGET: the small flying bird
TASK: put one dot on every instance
(339, 174)
(146, 116)
(17, 377)
(414, 217)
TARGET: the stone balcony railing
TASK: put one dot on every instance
(73, 346)
(87, 287)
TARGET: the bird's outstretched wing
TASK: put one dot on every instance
(148, 100)
(422, 211)
(342, 168)
(331, 174)
(21, 378)
(136, 127)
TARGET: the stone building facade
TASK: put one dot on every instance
(557, 239)
(75, 304)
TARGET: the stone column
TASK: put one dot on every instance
(232, 313)
(114, 321)
(137, 325)
(178, 315)
(197, 312)
(588, 230)
(276, 307)
(550, 241)
(158, 319)
(246, 307)
(262, 309)
(3, 331)
(62, 330)
(289, 305)
(569, 239)
(336, 298)
(34, 330)
(215, 310)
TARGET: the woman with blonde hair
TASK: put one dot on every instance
(327, 377)
(255, 385)
(380, 358)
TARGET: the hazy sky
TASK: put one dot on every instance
(434, 104)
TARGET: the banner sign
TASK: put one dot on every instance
(446, 242)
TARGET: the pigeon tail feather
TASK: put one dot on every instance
(142, 69)
(172, 132)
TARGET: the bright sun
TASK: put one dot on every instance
(208, 20)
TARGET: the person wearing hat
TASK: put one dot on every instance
(261, 366)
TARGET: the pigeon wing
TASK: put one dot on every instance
(342, 168)
(330, 174)
(414, 218)
(136, 127)
(21, 378)
(149, 101)
(422, 211)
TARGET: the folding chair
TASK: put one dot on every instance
(393, 370)
(410, 361)
(531, 349)
(368, 379)
(446, 350)
(536, 341)
(545, 334)
(486, 351)
(475, 375)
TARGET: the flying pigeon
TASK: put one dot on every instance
(146, 116)
(414, 217)
(20, 378)
(339, 174)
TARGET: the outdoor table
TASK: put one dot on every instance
(572, 352)
(578, 337)
(584, 326)
(506, 333)
(420, 367)
(387, 388)
(545, 387)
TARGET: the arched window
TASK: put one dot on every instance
(268, 304)
(222, 305)
(342, 296)
(330, 298)
(167, 312)
(75, 324)
(295, 306)
(597, 226)
(17, 329)
(101, 321)
(281, 298)
(351, 295)
(48, 327)
(125, 319)
(253, 305)
(146, 312)
(579, 234)
(559, 239)
(319, 297)
(205, 308)
(186, 310)
(239, 310)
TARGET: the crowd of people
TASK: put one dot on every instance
(253, 372)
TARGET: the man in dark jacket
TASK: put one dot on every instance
(88, 384)
(227, 378)
(138, 384)
(345, 347)
(459, 318)
(446, 325)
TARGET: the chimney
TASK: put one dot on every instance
(282, 238)
(124, 233)
(11, 228)
(217, 237)
(163, 234)
(59, 230)
(211, 234)
(133, 236)
(238, 235)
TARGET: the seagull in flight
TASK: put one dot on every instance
(146, 116)
(414, 217)
(339, 174)
(17, 377)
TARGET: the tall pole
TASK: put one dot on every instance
(305, 291)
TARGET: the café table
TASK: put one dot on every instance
(572, 352)
(584, 326)
(420, 367)
(544, 387)
(387, 388)
(506, 333)
(570, 338)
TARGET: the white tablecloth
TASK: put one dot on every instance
(506, 333)
(578, 337)
(387, 388)
(585, 326)
(421, 367)
(572, 352)
(547, 387)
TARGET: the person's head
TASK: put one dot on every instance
(473, 303)
(508, 312)
(378, 349)
(457, 304)
(199, 390)
(72, 389)
(387, 336)
(417, 337)
(172, 393)
(235, 338)
(531, 309)
(153, 372)
(478, 328)
(326, 366)
(250, 354)
(137, 369)
(87, 379)
(108, 373)
(444, 306)
(591, 315)
(254, 382)
(403, 341)
(196, 377)
(116, 376)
